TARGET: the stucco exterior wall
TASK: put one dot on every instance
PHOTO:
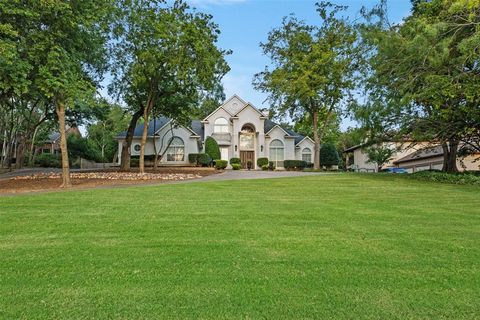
(190, 144)
(306, 143)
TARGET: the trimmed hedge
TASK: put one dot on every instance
(220, 164)
(212, 148)
(294, 164)
(249, 164)
(48, 160)
(262, 162)
(271, 165)
(265, 167)
(235, 161)
(236, 166)
(466, 178)
(329, 155)
(193, 158)
(204, 159)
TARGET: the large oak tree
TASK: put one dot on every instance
(312, 68)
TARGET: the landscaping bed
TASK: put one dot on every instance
(52, 180)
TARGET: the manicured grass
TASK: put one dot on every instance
(340, 246)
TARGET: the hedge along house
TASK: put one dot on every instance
(240, 129)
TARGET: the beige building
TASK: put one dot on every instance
(411, 156)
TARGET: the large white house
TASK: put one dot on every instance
(241, 130)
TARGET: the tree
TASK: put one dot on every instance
(329, 155)
(423, 79)
(378, 155)
(212, 149)
(59, 49)
(166, 61)
(103, 132)
(312, 68)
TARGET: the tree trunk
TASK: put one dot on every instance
(125, 156)
(60, 108)
(450, 149)
(146, 113)
(31, 157)
(316, 139)
(20, 156)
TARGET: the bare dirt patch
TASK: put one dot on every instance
(45, 181)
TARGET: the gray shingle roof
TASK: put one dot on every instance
(269, 124)
(198, 127)
(428, 152)
(52, 137)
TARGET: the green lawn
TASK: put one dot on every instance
(333, 246)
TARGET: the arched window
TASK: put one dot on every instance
(220, 126)
(247, 137)
(307, 155)
(277, 153)
(176, 150)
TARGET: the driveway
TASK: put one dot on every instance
(254, 174)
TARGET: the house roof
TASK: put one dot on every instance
(52, 137)
(156, 124)
(425, 153)
(269, 125)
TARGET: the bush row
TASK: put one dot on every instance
(468, 178)
(200, 159)
(294, 164)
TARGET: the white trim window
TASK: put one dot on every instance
(221, 126)
(277, 152)
(176, 150)
(307, 155)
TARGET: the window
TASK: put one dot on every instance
(277, 152)
(176, 150)
(307, 155)
(136, 148)
(220, 126)
(247, 138)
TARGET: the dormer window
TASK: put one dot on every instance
(221, 126)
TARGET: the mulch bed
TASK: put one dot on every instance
(52, 180)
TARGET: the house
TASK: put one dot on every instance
(431, 158)
(240, 129)
(413, 156)
(400, 150)
(52, 143)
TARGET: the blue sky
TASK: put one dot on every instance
(246, 23)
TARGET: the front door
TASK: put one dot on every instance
(245, 156)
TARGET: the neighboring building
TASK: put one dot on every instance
(431, 158)
(413, 156)
(240, 129)
(52, 144)
(400, 150)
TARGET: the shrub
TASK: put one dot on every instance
(262, 162)
(221, 164)
(211, 148)
(236, 166)
(204, 159)
(193, 158)
(134, 162)
(271, 165)
(294, 164)
(249, 164)
(444, 177)
(329, 155)
(48, 160)
(265, 167)
(235, 161)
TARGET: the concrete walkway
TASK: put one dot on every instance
(254, 174)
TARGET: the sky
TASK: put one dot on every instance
(244, 24)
